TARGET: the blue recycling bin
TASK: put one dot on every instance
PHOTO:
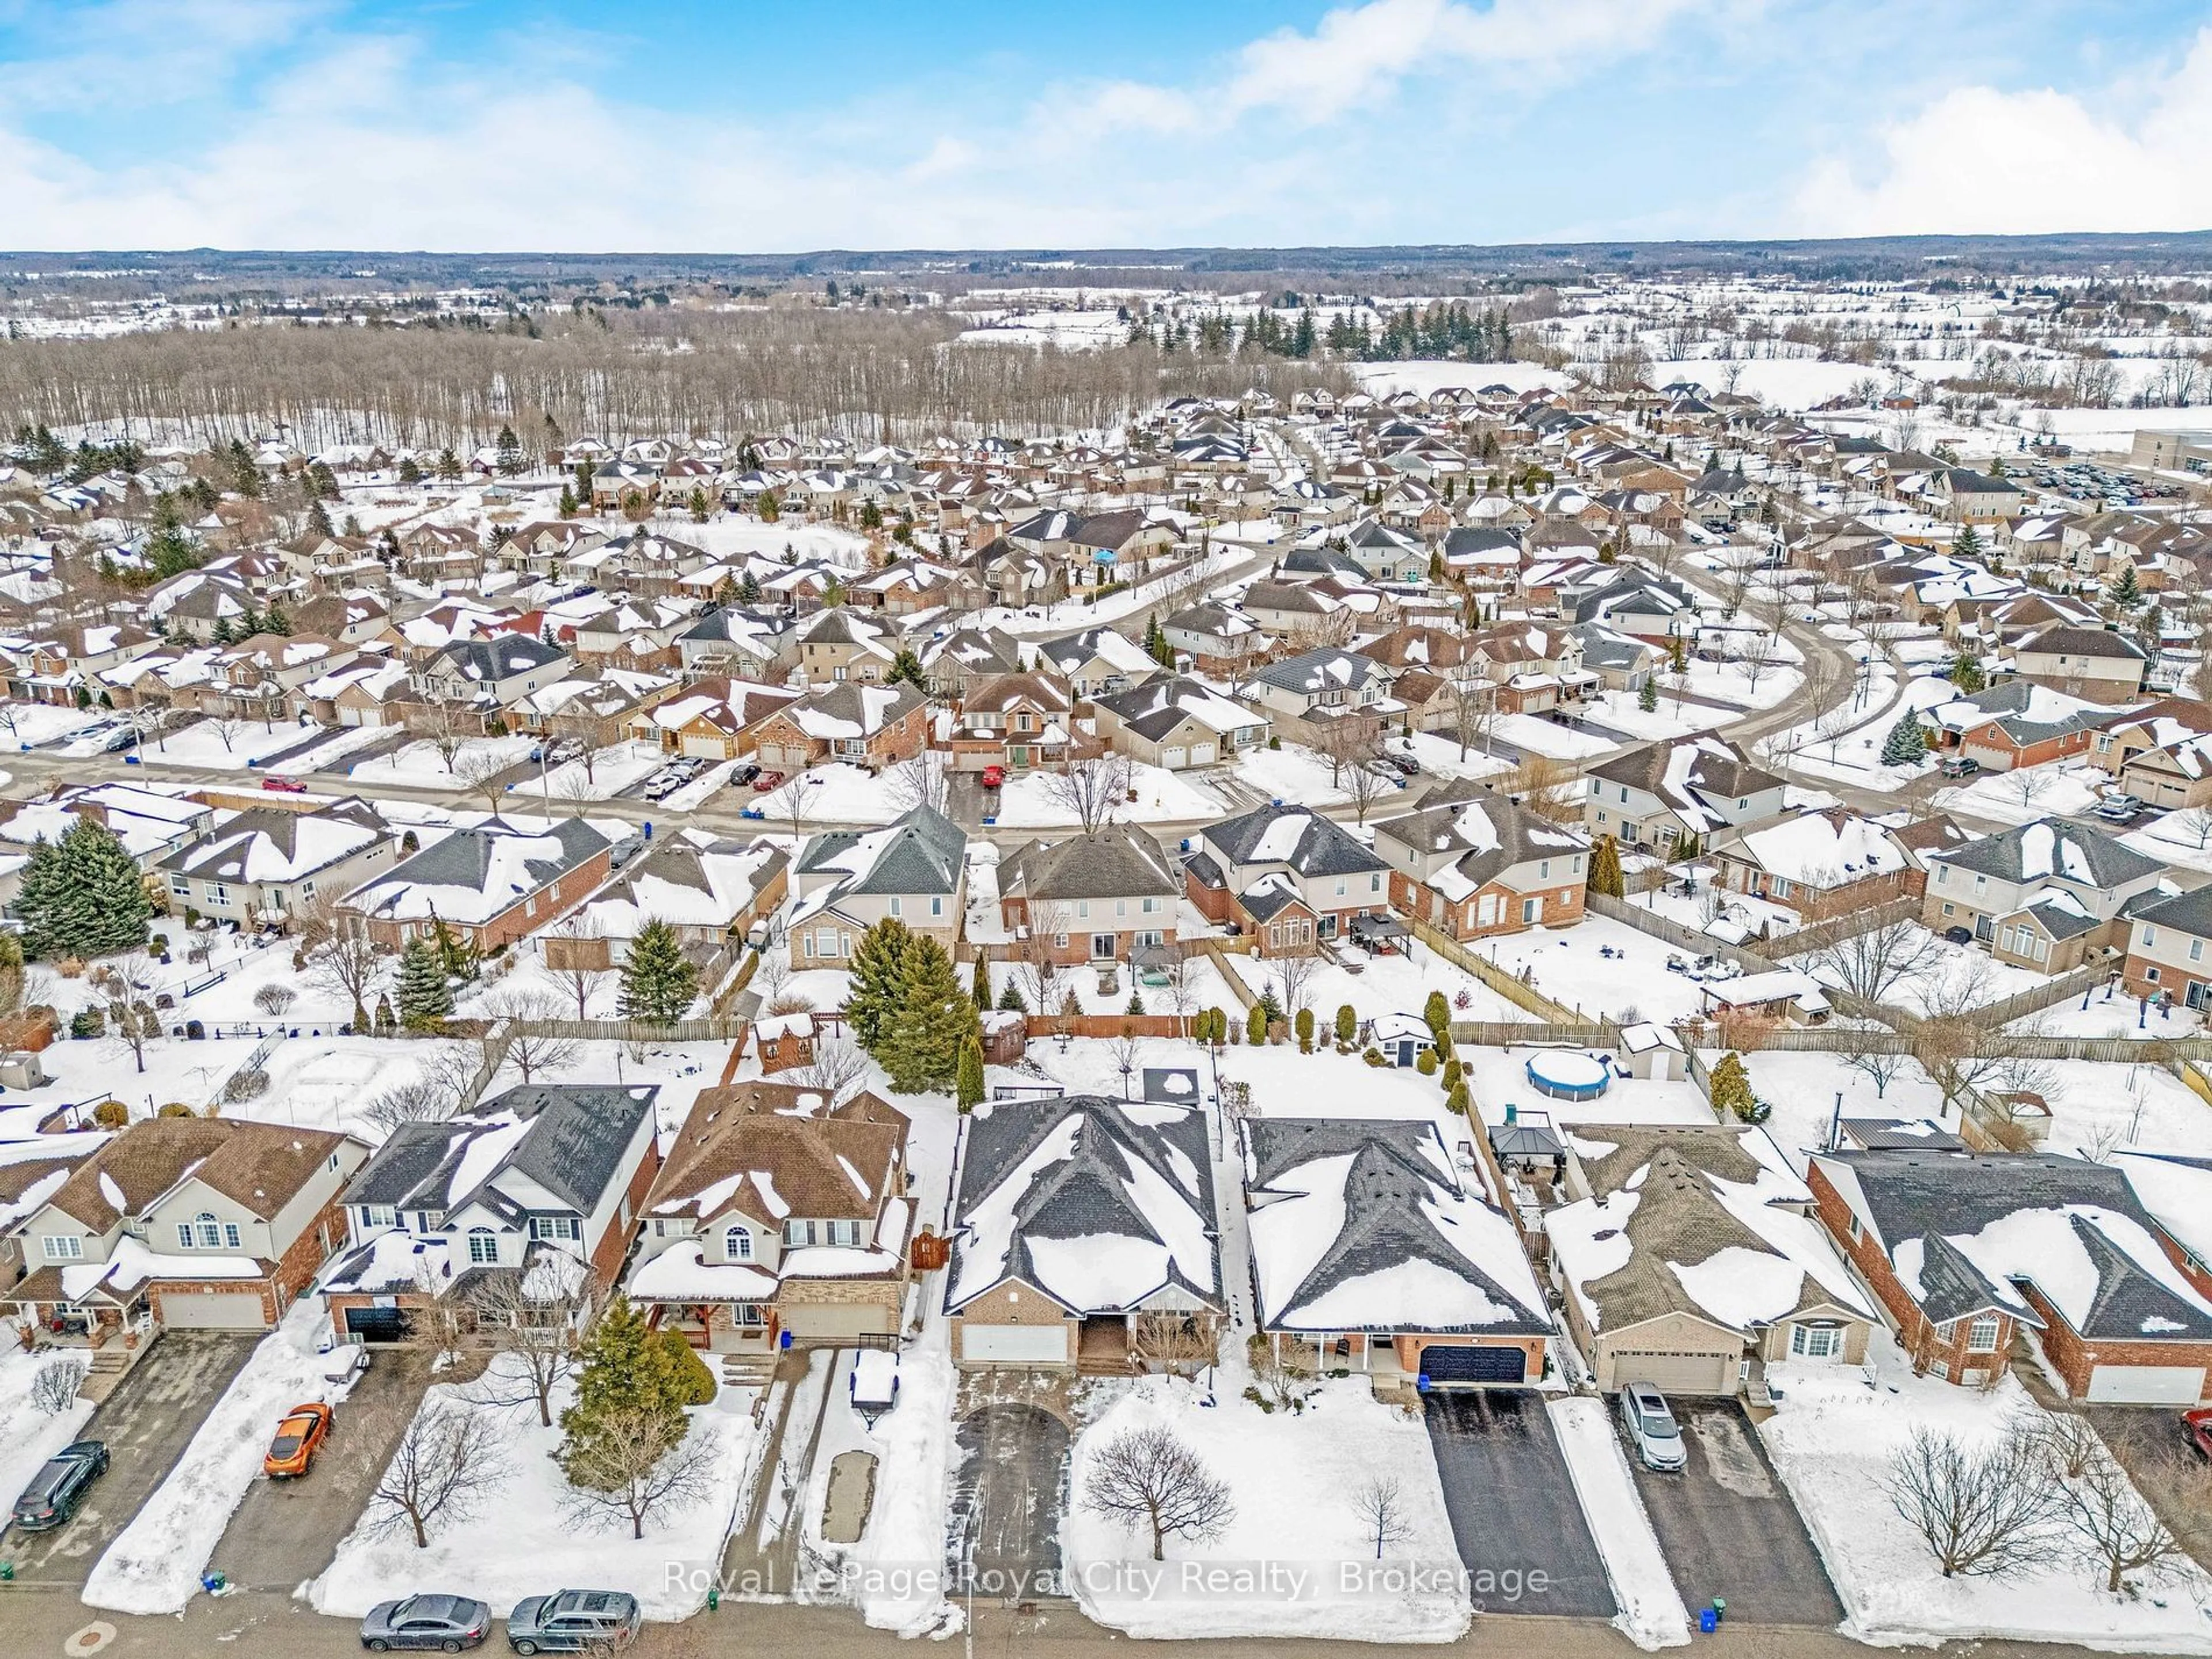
(1708, 1621)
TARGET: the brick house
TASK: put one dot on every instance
(1472, 864)
(1819, 864)
(1015, 721)
(546, 1169)
(1286, 876)
(870, 726)
(1678, 787)
(1175, 722)
(714, 718)
(2017, 724)
(2169, 949)
(491, 883)
(196, 1223)
(1967, 1252)
(1106, 897)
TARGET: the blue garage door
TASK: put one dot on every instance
(1446, 1367)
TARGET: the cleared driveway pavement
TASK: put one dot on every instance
(146, 1425)
(1512, 1504)
(1013, 1465)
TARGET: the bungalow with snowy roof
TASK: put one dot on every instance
(1678, 787)
(1967, 1252)
(778, 1213)
(367, 691)
(2046, 894)
(1176, 722)
(1371, 1254)
(267, 866)
(1648, 607)
(1286, 876)
(870, 726)
(2161, 754)
(712, 718)
(2014, 725)
(710, 889)
(1080, 1223)
(1691, 1254)
(1472, 864)
(1016, 721)
(1819, 864)
(1096, 661)
(914, 870)
(202, 1223)
(491, 884)
(541, 1185)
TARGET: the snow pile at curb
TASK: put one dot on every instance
(1292, 1561)
(1831, 1442)
(155, 1564)
(1652, 1612)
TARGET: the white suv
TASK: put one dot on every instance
(1651, 1428)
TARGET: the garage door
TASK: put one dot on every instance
(1174, 757)
(1014, 1345)
(1675, 1372)
(377, 1324)
(1201, 754)
(2147, 1385)
(705, 748)
(225, 1310)
(1444, 1366)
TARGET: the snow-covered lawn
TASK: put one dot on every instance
(221, 744)
(2107, 1010)
(1534, 734)
(612, 771)
(2183, 838)
(2096, 1105)
(1851, 753)
(27, 724)
(1571, 965)
(1832, 1440)
(523, 1541)
(1291, 1561)
(420, 766)
(1960, 978)
(28, 1437)
(1162, 797)
(1652, 1612)
(2025, 794)
(1802, 1090)
(1391, 983)
(155, 1564)
(1498, 1078)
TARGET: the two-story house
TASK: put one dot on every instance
(266, 867)
(1014, 720)
(842, 644)
(2042, 895)
(1109, 895)
(193, 1223)
(778, 1213)
(447, 1204)
(496, 672)
(843, 882)
(1472, 864)
(1666, 792)
(1286, 876)
(491, 884)
(870, 726)
(1315, 689)
(2096, 663)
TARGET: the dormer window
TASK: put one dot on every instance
(737, 1245)
(205, 1232)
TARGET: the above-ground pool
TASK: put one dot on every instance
(1567, 1076)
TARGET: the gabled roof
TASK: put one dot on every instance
(569, 1139)
(1294, 835)
(260, 1166)
(1117, 861)
(1689, 773)
(920, 853)
(476, 873)
(2052, 849)
(1486, 832)
(767, 1150)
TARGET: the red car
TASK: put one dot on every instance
(766, 781)
(284, 786)
(2197, 1425)
(994, 776)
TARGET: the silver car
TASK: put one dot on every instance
(1651, 1428)
(573, 1621)
(439, 1624)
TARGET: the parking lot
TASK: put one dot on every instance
(1512, 1502)
(1008, 1492)
(146, 1424)
(286, 1531)
(1727, 1527)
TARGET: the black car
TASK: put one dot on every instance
(746, 773)
(448, 1624)
(1958, 935)
(57, 1490)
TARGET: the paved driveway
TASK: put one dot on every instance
(285, 1532)
(146, 1423)
(1010, 1488)
(1728, 1527)
(1512, 1504)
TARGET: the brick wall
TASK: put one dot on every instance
(2074, 1357)
(607, 1258)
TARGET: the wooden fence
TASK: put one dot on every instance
(1671, 932)
(1521, 995)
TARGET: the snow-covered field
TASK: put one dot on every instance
(1162, 797)
(420, 766)
(1600, 968)
(2024, 795)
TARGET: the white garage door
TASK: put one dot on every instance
(225, 1310)
(1014, 1345)
(1173, 758)
(1675, 1373)
(705, 748)
(1201, 754)
(2147, 1385)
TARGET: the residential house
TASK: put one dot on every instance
(1175, 722)
(2169, 949)
(1666, 792)
(1319, 688)
(2043, 896)
(491, 884)
(1472, 864)
(844, 644)
(1109, 895)
(1286, 876)
(2161, 754)
(1819, 863)
(870, 726)
(1096, 661)
(714, 718)
(914, 869)
(712, 891)
(2095, 663)
(2016, 724)
(268, 866)
(1215, 638)
(494, 672)
(1016, 721)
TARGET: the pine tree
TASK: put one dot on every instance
(624, 1367)
(1647, 694)
(81, 895)
(1436, 1012)
(457, 955)
(919, 1046)
(424, 995)
(907, 667)
(967, 1086)
(409, 473)
(1012, 1001)
(568, 500)
(1966, 673)
(658, 980)
(1906, 745)
(1730, 1086)
(980, 989)
(1347, 1023)
(449, 465)
(509, 458)
(1605, 877)
(878, 962)
(2125, 591)
(1968, 543)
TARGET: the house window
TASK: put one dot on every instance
(483, 1246)
(180, 887)
(556, 1226)
(209, 1232)
(936, 904)
(219, 893)
(1982, 1335)
(1532, 909)
(737, 1245)
(1059, 941)
(378, 1215)
(1150, 905)
(896, 904)
(1815, 1341)
(845, 1232)
(797, 1232)
(58, 1246)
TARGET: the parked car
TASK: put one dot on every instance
(573, 1621)
(1959, 766)
(2119, 809)
(1651, 1428)
(1406, 762)
(994, 777)
(126, 739)
(2197, 1425)
(448, 1624)
(304, 1428)
(746, 773)
(277, 785)
(766, 781)
(57, 1489)
(1958, 935)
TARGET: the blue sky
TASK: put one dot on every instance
(770, 125)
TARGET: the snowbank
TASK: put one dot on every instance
(1292, 1561)
(1652, 1612)
(28, 1437)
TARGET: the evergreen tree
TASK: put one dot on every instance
(1968, 543)
(658, 980)
(967, 1086)
(2125, 591)
(449, 465)
(81, 895)
(1966, 673)
(1647, 694)
(424, 995)
(509, 459)
(878, 962)
(409, 473)
(749, 589)
(697, 504)
(624, 1368)
(1347, 1023)
(1436, 1012)
(1906, 745)
(1605, 877)
(1012, 1001)
(920, 1046)
(319, 519)
(457, 956)
(1255, 1025)
(568, 500)
(1731, 1087)
(1678, 654)
(981, 988)
(906, 667)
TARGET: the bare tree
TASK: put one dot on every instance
(273, 999)
(2027, 785)
(479, 771)
(1093, 790)
(1987, 1510)
(1348, 742)
(1380, 1503)
(1364, 780)
(1871, 964)
(2111, 1525)
(2194, 824)
(1147, 1479)
(1474, 713)
(1878, 1065)
(229, 728)
(54, 1385)
(837, 1065)
(1757, 660)
(1172, 1343)
(1295, 975)
(1547, 787)
(449, 1459)
(798, 793)
(515, 1012)
(630, 1468)
(342, 956)
(921, 781)
(575, 953)
(133, 1022)
(536, 1318)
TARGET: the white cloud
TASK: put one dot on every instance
(1980, 161)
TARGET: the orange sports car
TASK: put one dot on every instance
(297, 1436)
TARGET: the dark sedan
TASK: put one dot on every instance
(446, 1623)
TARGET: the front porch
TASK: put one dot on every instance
(746, 1330)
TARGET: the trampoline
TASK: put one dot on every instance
(1568, 1076)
